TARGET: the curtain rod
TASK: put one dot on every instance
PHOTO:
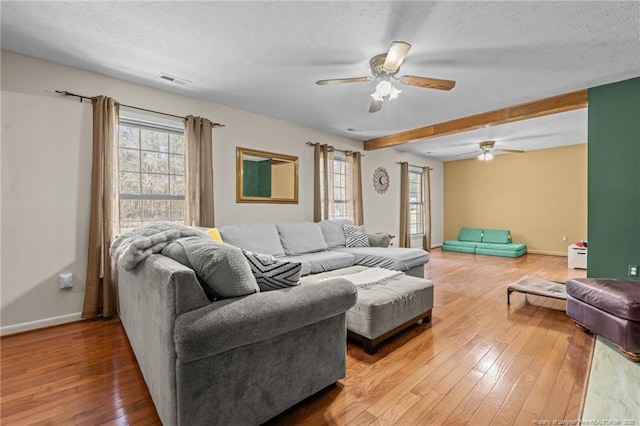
(65, 93)
(335, 149)
(412, 165)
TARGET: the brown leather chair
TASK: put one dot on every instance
(609, 308)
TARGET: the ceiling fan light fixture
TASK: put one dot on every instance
(385, 90)
(486, 156)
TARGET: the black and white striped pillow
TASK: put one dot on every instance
(271, 273)
(355, 236)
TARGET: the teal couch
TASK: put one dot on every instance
(493, 242)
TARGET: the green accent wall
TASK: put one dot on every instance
(614, 179)
(256, 178)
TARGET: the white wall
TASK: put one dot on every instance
(46, 173)
(382, 211)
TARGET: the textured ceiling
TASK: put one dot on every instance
(264, 57)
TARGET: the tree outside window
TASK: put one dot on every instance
(151, 169)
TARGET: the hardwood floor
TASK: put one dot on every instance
(478, 362)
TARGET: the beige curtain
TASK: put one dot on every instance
(405, 231)
(354, 187)
(198, 198)
(323, 182)
(426, 208)
(100, 297)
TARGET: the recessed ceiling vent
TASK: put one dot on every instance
(174, 79)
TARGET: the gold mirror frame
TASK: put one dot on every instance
(286, 172)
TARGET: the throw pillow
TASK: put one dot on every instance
(355, 236)
(271, 273)
(214, 234)
(222, 269)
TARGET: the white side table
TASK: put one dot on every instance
(577, 257)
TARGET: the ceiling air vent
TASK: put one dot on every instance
(174, 79)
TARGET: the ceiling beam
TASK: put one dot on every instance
(547, 106)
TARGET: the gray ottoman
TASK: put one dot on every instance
(383, 310)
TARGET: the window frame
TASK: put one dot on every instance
(339, 161)
(170, 128)
(419, 225)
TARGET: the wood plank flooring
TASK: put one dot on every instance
(478, 362)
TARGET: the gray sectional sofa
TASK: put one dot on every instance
(239, 360)
(321, 247)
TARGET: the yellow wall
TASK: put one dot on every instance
(282, 185)
(539, 195)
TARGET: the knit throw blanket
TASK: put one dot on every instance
(371, 276)
(135, 246)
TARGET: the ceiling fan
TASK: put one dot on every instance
(487, 148)
(384, 67)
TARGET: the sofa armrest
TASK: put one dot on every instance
(380, 239)
(231, 323)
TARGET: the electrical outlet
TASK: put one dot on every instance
(564, 238)
(633, 270)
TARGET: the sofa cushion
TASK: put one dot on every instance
(398, 259)
(256, 237)
(459, 249)
(322, 261)
(506, 250)
(469, 234)
(497, 246)
(301, 237)
(222, 269)
(355, 236)
(271, 273)
(499, 236)
(333, 232)
(458, 243)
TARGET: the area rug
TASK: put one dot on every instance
(613, 391)
(537, 286)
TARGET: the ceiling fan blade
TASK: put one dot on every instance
(467, 153)
(396, 54)
(375, 106)
(344, 80)
(428, 83)
(510, 150)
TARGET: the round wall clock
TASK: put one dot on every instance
(381, 180)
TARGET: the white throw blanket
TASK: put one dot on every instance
(371, 276)
(133, 247)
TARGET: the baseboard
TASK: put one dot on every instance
(547, 253)
(34, 325)
(436, 246)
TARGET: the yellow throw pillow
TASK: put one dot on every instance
(215, 234)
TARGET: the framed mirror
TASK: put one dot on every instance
(266, 177)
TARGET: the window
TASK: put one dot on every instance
(151, 174)
(339, 186)
(416, 204)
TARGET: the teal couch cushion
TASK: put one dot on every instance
(470, 234)
(459, 249)
(505, 247)
(460, 243)
(493, 242)
(459, 246)
(501, 236)
(516, 252)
